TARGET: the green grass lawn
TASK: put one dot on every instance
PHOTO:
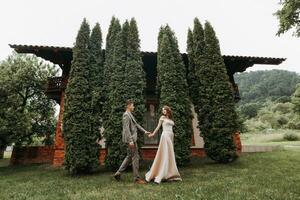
(272, 137)
(273, 175)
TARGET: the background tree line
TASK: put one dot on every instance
(269, 99)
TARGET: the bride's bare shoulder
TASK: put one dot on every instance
(162, 117)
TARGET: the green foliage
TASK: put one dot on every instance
(81, 147)
(266, 99)
(174, 91)
(217, 117)
(291, 137)
(191, 66)
(25, 111)
(283, 99)
(195, 50)
(113, 31)
(273, 115)
(289, 17)
(260, 86)
(296, 99)
(126, 81)
(96, 79)
(116, 100)
(135, 76)
(249, 110)
(253, 124)
(284, 108)
(294, 123)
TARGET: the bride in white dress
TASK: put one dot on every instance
(164, 166)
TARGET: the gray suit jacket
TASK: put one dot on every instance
(130, 126)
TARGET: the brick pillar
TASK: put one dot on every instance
(238, 143)
(59, 152)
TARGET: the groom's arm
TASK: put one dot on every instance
(142, 129)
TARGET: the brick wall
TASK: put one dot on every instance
(55, 156)
(47, 154)
(30, 155)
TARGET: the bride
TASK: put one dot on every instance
(164, 166)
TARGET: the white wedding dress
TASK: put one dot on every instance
(164, 166)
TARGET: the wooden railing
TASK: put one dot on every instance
(56, 84)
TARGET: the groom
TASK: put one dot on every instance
(129, 136)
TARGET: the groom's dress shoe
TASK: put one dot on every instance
(117, 176)
(140, 181)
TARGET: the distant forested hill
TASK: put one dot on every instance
(266, 100)
(259, 86)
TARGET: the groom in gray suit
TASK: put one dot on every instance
(129, 136)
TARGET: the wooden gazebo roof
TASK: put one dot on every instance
(63, 57)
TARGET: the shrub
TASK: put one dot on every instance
(291, 137)
(294, 124)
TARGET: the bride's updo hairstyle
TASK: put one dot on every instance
(169, 112)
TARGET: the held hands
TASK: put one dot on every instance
(151, 135)
(147, 132)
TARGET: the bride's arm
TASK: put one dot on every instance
(161, 119)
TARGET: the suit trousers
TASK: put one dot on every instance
(132, 155)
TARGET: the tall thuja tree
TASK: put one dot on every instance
(117, 94)
(218, 119)
(134, 73)
(174, 91)
(191, 79)
(195, 50)
(96, 83)
(196, 55)
(79, 139)
(113, 30)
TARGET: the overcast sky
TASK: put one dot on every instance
(244, 27)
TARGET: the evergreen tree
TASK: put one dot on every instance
(117, 94)
(191, 79)
(195, 50)
(79, 139)
(96, 82)
(174, 91)
(113, 31)
(196, 55)
(127, 81)
(135, 75)
(217, 117)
